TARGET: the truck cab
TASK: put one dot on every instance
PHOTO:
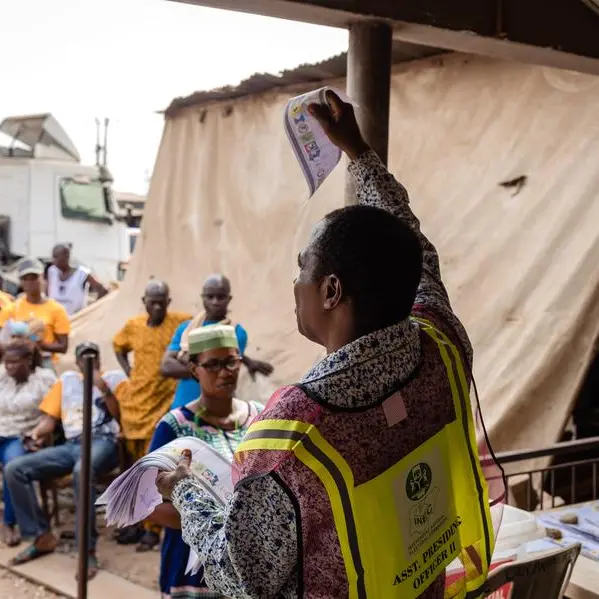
(47, 197)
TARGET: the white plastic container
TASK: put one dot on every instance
(517, 528)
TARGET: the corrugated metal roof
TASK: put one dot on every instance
(332, 68)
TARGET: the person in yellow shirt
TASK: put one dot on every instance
(33, 305)
(146, 336)
(6, 300)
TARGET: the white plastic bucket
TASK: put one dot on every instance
(517, 528)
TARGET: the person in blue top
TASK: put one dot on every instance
(216, 297)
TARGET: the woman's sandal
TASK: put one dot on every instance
(93, 567)
(28, 555)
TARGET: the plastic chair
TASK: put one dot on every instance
(542, 577)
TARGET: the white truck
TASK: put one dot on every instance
(47, 197)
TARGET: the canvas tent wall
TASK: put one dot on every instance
(520, 262)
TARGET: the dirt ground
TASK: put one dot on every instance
(122, 560)
(15, 587)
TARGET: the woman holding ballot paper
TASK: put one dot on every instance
(364, 480)
(217, 418)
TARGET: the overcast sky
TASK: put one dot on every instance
(127, 59)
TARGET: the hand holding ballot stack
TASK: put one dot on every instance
(134, 495)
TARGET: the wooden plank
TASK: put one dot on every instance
(470, 43)
(57, 573)
(560, 33)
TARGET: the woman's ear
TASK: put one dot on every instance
(333, 292)
(192, 369)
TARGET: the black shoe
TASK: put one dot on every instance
(129, 535)
(148, 541)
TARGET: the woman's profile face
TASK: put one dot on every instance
(217, 370)
(18, 367)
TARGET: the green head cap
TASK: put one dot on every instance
(212, 337)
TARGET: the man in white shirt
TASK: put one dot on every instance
(69, 285)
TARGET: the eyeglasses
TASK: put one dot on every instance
(214, 366)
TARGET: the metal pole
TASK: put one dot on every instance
(369, 60)
(84, 498)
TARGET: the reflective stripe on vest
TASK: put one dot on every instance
(474, 559)
(424, 519)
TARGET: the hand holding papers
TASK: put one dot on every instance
(316, 154)
(133, 496)
(320, 125)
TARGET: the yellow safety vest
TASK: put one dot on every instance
(399, 531)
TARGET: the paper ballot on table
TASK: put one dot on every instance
(314, 151)
(133, 496)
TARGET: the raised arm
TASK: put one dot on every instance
(377, 187)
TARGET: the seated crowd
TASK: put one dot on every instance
(143, 405)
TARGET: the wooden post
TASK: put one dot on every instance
(369, 86)
(84, 499)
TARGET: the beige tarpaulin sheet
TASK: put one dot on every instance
(522, 269)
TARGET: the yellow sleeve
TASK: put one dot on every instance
(62, 324)
(52, 403)
(121, 391)
(122, 340)
(6, 314)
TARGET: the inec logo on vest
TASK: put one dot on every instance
(418, 481)
(423, 500)
(422, 496)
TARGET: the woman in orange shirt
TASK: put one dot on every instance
(34, 305)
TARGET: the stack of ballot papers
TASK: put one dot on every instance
(133, 496)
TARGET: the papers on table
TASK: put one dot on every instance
(133, 496)
(315, 153)
(585, 532)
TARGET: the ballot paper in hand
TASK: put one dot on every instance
(316, 154)
(133, 496)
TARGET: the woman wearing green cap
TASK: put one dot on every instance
(216, 417)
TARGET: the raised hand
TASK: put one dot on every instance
(338, 121)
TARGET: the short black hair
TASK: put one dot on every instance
(20, 347)
(23, 349)
(377, 258)
(63, 247)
